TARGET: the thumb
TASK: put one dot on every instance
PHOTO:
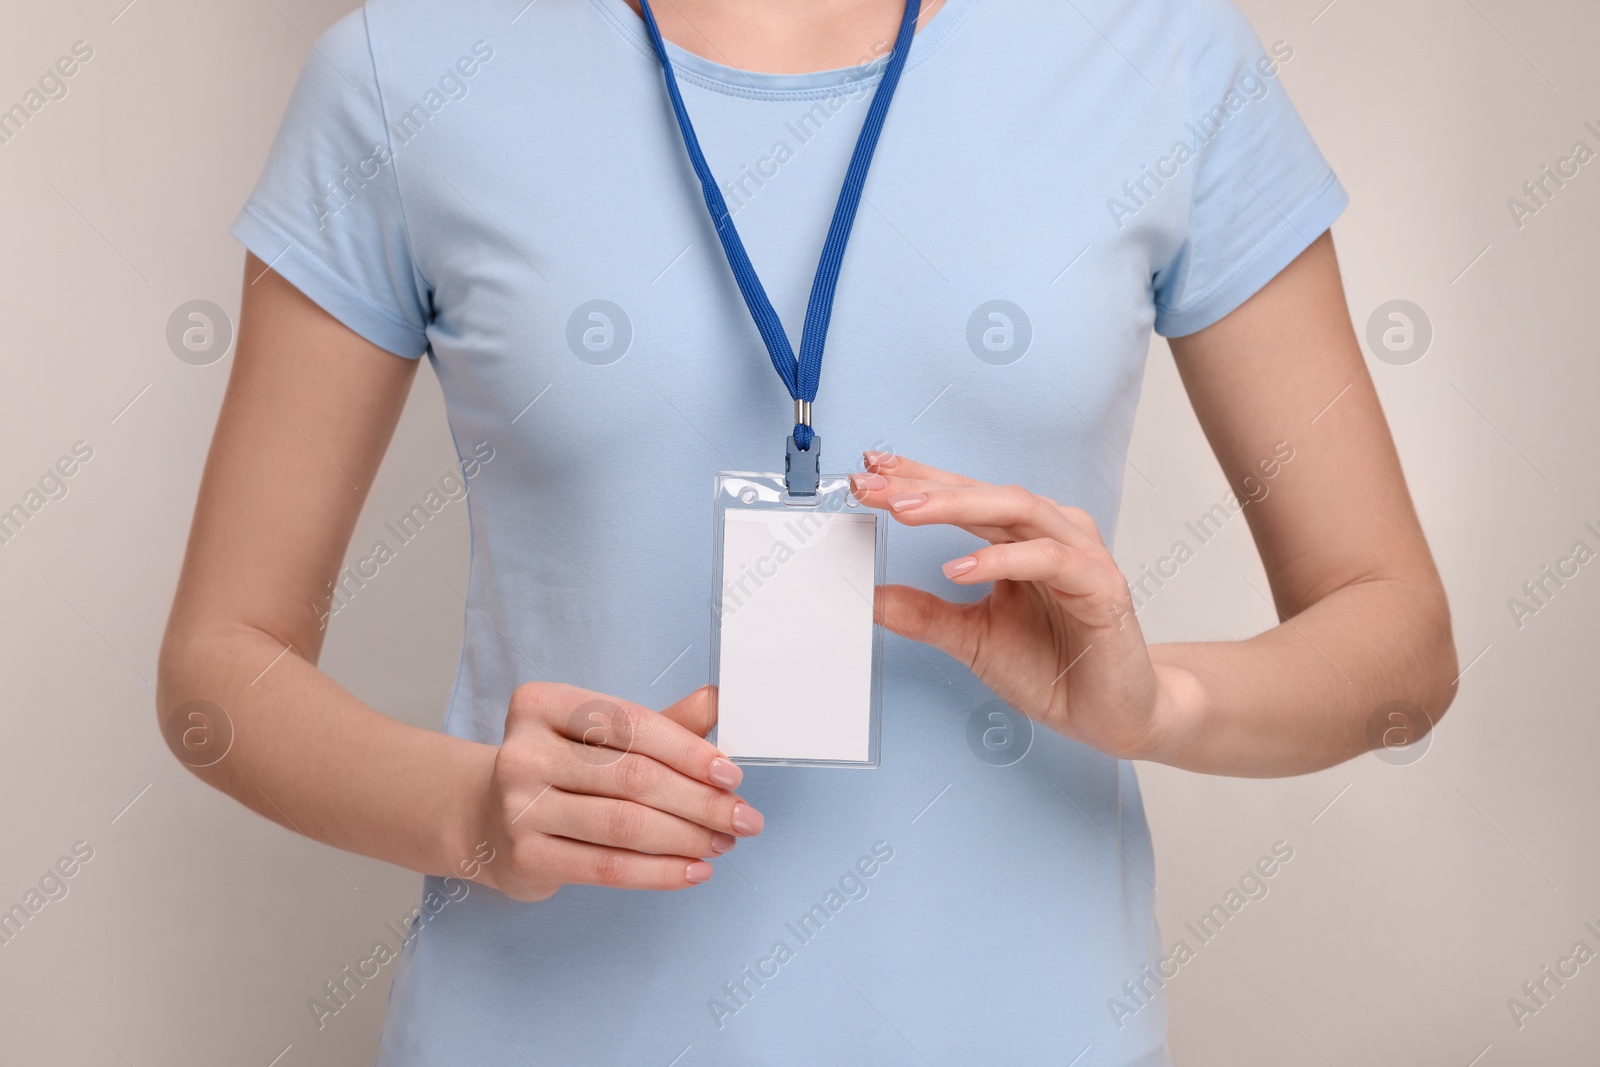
(920, 616)
(696, 712)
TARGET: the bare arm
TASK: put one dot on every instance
(1367, 622)
(309, 411)
(1365, 615)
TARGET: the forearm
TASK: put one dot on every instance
(1299, 697)
(310, 756)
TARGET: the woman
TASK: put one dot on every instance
(503, 187)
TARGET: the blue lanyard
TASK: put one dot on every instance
(801, 374)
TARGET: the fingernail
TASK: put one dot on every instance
(880, 459)
(725, 773)
(722, 842)
(957, 567)
(747, 820)
(698, 871)
(907, 501)
(864, 482)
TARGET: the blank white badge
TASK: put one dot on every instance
(795, 660)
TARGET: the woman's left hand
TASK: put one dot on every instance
(1056, 638)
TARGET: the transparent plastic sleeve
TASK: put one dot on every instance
(795, 654)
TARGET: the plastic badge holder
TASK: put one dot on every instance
(795, 654)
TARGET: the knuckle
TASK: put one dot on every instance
(667, 876)
(635, 777)
(1117, 597)
(533, 750)
(521, 807)
(695, 750)
(529, 698)
(1019, 500)
(609, 868)
(627, 723)
(518, 761)
(625, 823)
(920, 620)
(1079, 517)
(1054, 553)
(717, 811)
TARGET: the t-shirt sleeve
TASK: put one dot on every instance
(326, 213)
(1262, 191)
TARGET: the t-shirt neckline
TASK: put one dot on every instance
(732, 81)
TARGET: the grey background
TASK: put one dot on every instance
(1420, 896)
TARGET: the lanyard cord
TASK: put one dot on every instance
(801, 375)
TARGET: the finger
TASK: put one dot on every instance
(582, 863)
(899, 484)
(1013, 511)
(876, 490)
(896, 475)
(636, 777)
(625, 824)
(601, 721)
(1080, 519)
(1091, 587)
(920, 616)
(901, 466)
(696, 712)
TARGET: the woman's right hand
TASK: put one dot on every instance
(588, 789)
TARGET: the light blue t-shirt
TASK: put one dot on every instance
(501, 185)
